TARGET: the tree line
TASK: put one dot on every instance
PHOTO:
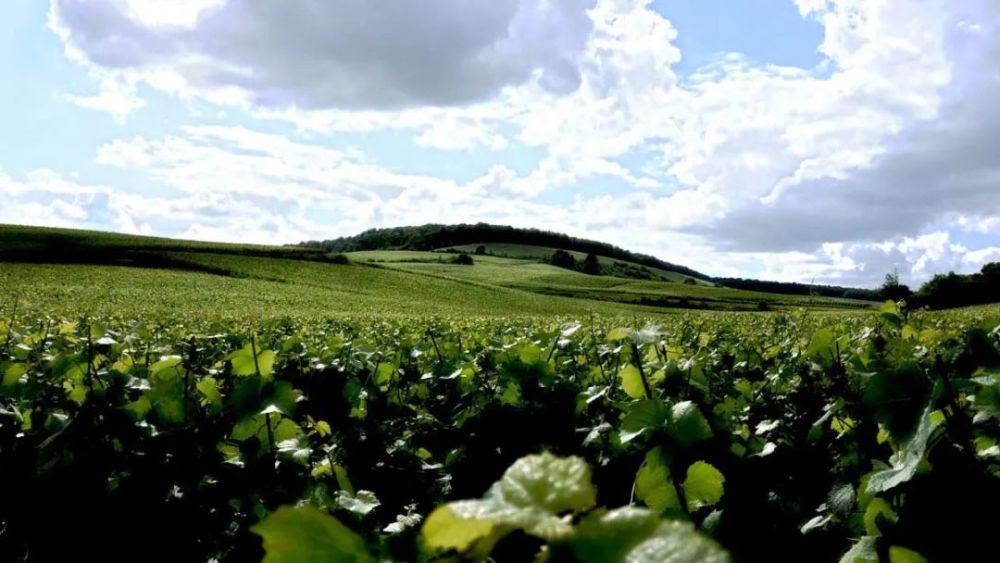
(945, 291)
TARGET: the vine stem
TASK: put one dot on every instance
(267, 415)
(637, 360)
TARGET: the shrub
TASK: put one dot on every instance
(463, 259)
(563, 259)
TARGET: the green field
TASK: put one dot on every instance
(536, 253)
(520, 269)
(236, 403)
(103, 273)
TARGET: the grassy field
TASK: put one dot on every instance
(103, 273)
(526, 273)
(227, 402)
(536, 253)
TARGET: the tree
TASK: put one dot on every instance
(563, 259)
(480, 250)
(591, 265)
(462, 259)
(892, 289)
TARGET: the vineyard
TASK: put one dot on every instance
(801, 436)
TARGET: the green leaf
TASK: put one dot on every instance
(632, 381)
(703, 485)
(687, 425)
(904, 463)
(646, 415)
(139, 407)
(841, 500)
(362, 503)
(403, 522)
(619, 334)
(863, 551)
(305, 534)
(815, 523)
(636, 535)
(878, 510)
(209, 389)
(384, 374)
(170, 367)
(256, 426)
(653, 484)
(12, 373)
(532, 495)
(898, 554)
(243, 361)
(343, 481)
(166, 392)
(284, 397)
(446, 531)
(296, 450)
(549, 483)
(822, 345)
(896, 397)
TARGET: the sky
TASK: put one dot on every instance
(825, 141)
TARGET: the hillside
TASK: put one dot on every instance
(432, 237)
(56, 269)
(501, 240)
(530, 275)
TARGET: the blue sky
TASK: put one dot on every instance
(832, 140)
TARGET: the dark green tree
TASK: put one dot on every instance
(591, 265)
(563, 259)
(463, 259)
(893, 290)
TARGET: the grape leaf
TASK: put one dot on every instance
(703, 485)
(653, 484)
(306, 534)
(637, 535)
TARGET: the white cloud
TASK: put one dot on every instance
(339, 53)
(117, 96)
(838, 173)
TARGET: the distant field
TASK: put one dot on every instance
(271, 288)
(47, 242)
(543, 253)
(526, 273)
(87, 272)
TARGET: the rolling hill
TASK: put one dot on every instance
(70, 270)
(511, 242)
(432, 237)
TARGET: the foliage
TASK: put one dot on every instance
(791, 288)
(462, 259)
(591, 266)
(954, 290)
(790, 436)
(893, 290)
(563, 259)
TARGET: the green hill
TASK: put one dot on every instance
(89, 272)
(432, 237)
(501, 240)
(528, 274)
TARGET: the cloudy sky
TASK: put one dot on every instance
(826, 140)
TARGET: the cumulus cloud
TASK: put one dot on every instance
(877, 158)
(338, 53)
(918, 175)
